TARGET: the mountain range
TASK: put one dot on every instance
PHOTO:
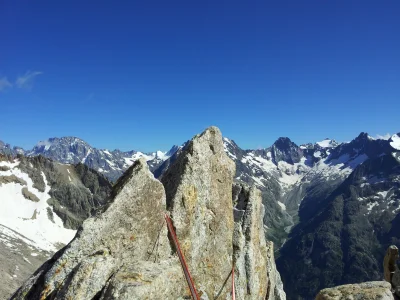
(73, 150)
(330, 208)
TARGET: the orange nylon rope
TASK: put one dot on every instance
(185, 268)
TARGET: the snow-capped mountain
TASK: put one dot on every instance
(72, 150)
(8, 150)
(294, 178)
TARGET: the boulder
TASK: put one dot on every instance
(373, 290)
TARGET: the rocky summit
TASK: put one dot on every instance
(125, 251)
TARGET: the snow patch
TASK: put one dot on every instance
(283, 206)
(107, 152)
(395, 142)
(383, 194)
(86, 156)
(28, 218)
(327, 143)
(370, 206)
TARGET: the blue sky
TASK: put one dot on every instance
(148, 74)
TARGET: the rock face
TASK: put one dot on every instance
(257, 277)
(199, 195)
(75, 191)
(391, 270)
(124, 252)
(389, 262)
(373, 290)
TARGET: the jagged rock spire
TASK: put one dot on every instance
(124, 252)
(199, 195)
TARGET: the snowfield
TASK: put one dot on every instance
(28, 218)
(395, 143)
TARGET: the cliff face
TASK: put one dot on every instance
(253, 255)
(125, 252)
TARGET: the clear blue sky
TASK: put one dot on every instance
(148, 74)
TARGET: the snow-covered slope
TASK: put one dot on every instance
(30, 218)
(327, 143)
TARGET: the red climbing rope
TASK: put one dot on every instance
(189, 279)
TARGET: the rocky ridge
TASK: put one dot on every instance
(124, 251)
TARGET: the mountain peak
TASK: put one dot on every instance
(173, 149)
(364, 136)
(327, 143)
(283, 141)
(285, 150)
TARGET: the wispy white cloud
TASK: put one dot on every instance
(383, 137)
(26, 81)
(4, 83)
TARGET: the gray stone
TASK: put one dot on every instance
(199, 196)
(256, 276)
(389, 262)
(29, 195)
(373, 290)
(11, 178)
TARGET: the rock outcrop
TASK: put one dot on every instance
(198, 186)
(373, 290)
(391, 270)
(124, 252)
(254, 262)
(389, 262)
